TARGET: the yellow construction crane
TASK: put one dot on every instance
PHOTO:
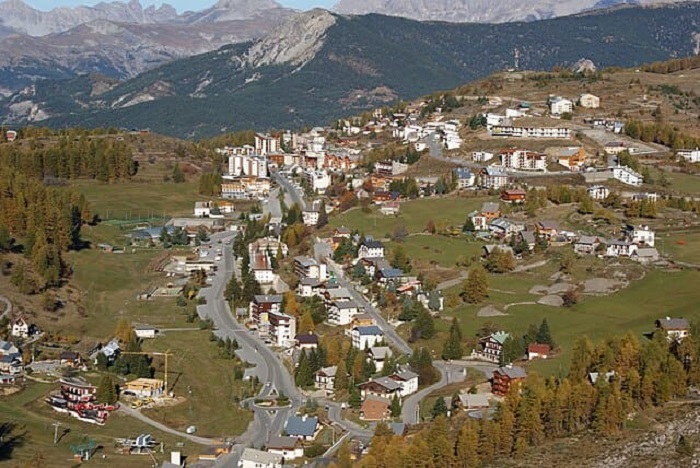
(156, 353)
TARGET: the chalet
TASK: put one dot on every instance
(615, 147)
(640, 235)
(10, 135)
(529, 238)
(627, 176)
(489, 249)
(146, 331)
(145, 388)
(362, 320)
(374, 265)
(380, 197)
(589, 101)
(252, 458)
(572, 158)
(341, 312)
(507, 377)
(19, 328)
(70, 359)
(464, 177)
(309, 287)
(598, 192)
(491, 347)
(616, 248)
(470, 401)
(559, 105)
(408, 380)
(304, 428)
(692, 156)
(332, 295)
(366, 337)
(482, 156)
(371, 249)
(481, 219)
(587, 245)
(513, 196)
(379, 355)
(384, 168)
(261, 266)
(10, 359)
(493, 178)
(325, 379)
(8, 379)
(388, 276)
(646, 255)
(532, 128)
(306, 341)
(288, 447)
(390, 208)
(342, 232)
(384, 387)
(548, 229)
(311, 217)
(375, 409)
(505, 228)
(538, 351)
(675, 328)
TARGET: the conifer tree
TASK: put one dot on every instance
(453, 348)
(395, 406)
(476, 288)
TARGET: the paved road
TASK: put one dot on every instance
(269, 367)
(389, 332)
(297, 197)
(162, 427)
(450, 372)
(273, 206)
(8, 307)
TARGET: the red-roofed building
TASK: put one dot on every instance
(538, 351)
(513, 196)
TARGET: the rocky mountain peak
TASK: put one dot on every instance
(295, 41)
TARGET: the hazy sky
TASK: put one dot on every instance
(181, 5)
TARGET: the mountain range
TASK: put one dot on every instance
(319, 66)
(481, 11)
(119, 40)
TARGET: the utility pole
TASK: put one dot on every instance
(56, 425)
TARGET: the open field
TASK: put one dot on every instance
(448, 211)
(635, 308)
(205, 381)
(441, 250)
(682, 247)
(31, 420)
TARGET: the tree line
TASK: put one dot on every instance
(72, 158)
(606, 383)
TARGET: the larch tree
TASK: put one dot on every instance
(476, 288)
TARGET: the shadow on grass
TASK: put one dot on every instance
(11, 437)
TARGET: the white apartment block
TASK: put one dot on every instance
(524, 160)
(627, 176)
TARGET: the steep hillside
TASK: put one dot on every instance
(320, 66)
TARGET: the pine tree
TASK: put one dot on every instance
(476, 288)
(395, 407)
(341, 376)
(355, 399)
(178, 176)
(439, 408)
(453, 348)
(322, 216)
(424, 326)
(304, 376)
(106, 392)
(544, 336)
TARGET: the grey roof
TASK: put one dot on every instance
(328, 371)
(474, 401)
(673, 323)
(380, 352)
(490, 207)
(406, 375)
(528, 236)
(387, 383)
(391, 273)
(282, 442)
(346, 304)
(618, 242)
(593, 376)
(276, 298)
(301, 426)
(369, 330)
(514, 372)
(588, 240)
(264, 458)
(504, 248)
(307, 338)
(373, 244)
(549, 224)
(649, 252)
(305, 261)
(310, 282)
